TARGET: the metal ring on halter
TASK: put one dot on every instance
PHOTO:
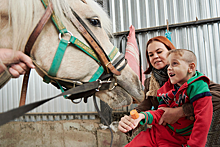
(115, 84)
(76, 102)
(65, 33)
(100, 84)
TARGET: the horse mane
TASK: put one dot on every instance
(22, 13)
(19, 15)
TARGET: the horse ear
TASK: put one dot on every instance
(84, 1)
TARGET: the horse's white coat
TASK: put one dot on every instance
(25, 14)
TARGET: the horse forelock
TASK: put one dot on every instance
(23, 13)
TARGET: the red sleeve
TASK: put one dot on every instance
(203, 110)
(153, 117)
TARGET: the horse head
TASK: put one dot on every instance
(18, 19)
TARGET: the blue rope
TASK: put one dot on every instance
(168, 35)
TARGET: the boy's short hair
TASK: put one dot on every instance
(187, 55)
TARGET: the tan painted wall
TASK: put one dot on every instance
(68, 133)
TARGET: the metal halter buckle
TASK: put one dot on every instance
(115, 83)
(100, 83)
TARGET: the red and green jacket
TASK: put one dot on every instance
(195, 91)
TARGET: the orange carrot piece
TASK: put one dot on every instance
(134, 114)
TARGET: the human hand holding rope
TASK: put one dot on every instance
(17, 62)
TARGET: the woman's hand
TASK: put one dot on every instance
(127, 123)
(170, 115)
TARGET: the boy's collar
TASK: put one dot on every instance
(176, 86)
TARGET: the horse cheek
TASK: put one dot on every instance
(130, 82)
(116, 98)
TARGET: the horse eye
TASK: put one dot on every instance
(95, 22)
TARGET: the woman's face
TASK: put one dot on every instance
(157, 53)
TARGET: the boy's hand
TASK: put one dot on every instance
(127, 123)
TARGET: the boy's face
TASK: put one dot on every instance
(178, 69)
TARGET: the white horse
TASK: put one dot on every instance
(18, 19)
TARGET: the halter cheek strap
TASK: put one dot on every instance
(59, 25)
(58, 58)
(100, 70)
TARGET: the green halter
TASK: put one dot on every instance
(62, 48)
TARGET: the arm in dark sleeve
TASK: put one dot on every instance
(215, 91)
(147, 103)
(144, 105)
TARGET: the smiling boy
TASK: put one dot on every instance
(185, 85)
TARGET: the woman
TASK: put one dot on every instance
(156, 51)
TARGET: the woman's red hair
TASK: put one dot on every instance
(161, 39)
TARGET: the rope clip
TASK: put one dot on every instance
(101, 82)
